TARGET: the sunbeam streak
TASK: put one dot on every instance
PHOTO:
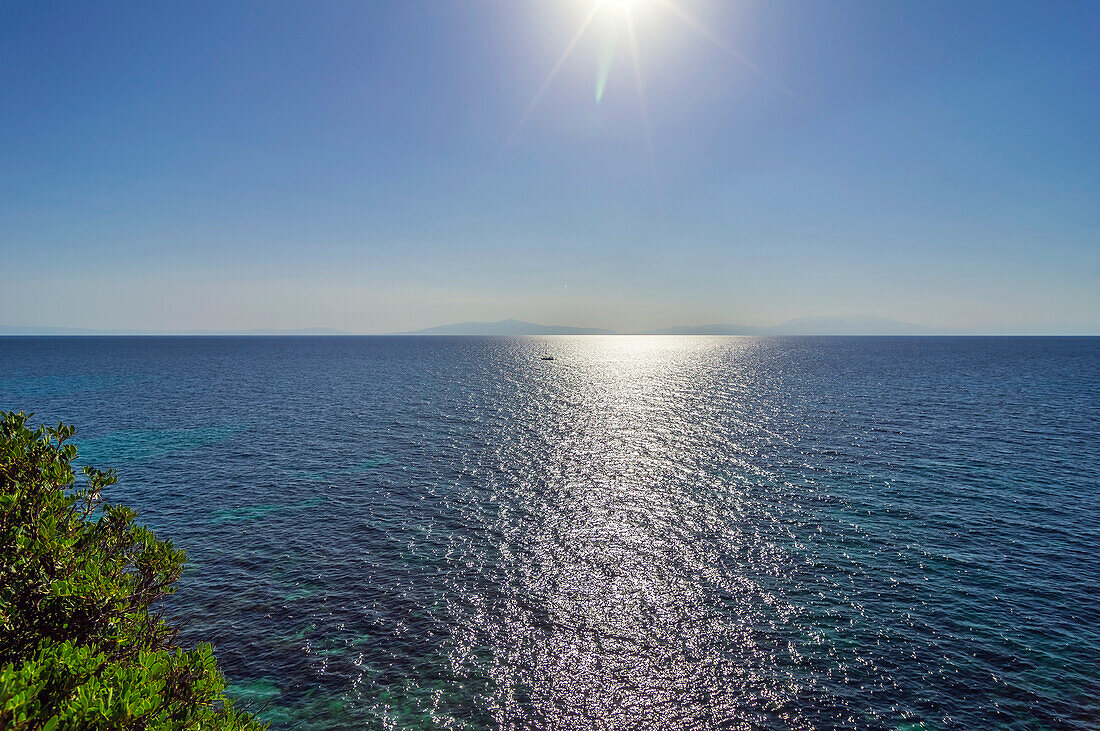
(643, 104)
(702, 30)
(557, 68)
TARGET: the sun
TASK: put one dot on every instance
(619, 12)
(625, 6)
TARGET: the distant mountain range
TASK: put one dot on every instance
(818, 325)
(17, 330)
(508, 327)
(823, 325)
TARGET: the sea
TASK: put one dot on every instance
(652, 532)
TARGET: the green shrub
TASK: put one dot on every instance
(79, 646)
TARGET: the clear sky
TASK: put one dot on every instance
(379, 166)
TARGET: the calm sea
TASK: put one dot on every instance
(645, 532)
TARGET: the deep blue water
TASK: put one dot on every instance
(646, 532)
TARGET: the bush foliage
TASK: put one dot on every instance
(80, 647)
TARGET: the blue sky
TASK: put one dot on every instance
(368, 166)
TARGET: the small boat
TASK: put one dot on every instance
(547, 357)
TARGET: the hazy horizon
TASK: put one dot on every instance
(388, 167)
(812, 325)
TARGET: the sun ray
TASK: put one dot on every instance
(642, 101)
(557, 67)
(690, 21)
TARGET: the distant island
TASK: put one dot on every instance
(822, 325)
(507, 327)
(21, 330)
(819, 325)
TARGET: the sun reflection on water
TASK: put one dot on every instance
(630, 591)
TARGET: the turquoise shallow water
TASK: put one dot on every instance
(646, 532)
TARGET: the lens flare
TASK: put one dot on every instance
(603, 70)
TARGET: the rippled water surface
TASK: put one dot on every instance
(645, 532)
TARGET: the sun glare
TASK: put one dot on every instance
(626, 6)
(622, 18)
(617, 13)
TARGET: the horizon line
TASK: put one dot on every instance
(807, 326)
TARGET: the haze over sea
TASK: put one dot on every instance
(645, 532)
